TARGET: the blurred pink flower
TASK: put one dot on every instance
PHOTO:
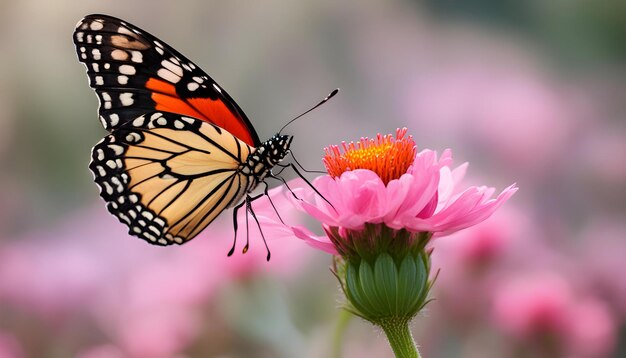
(425, 198)
(148, 300)
(602, 250)
(526, 307)
(10, 347)
(498, 108)
(101, 351)
(593, 332)
(469, 263)
(544, 309)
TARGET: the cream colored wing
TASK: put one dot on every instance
(168, 176)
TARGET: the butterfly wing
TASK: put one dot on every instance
(168, 176)
(134, 73)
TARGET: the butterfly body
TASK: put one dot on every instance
(180, 150)
(268, 154)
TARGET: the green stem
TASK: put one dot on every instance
(400, 338)
(340, 329)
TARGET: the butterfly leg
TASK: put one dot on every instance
(266, 193)
(282, 180)
(295, 169)
(235, 224)
(248, 203)
(249, 200)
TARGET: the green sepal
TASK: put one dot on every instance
(386, 282)
(387, 289)
(355, 294)
(408, 270)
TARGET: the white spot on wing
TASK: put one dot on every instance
(136, 56)
(96, 54)
(192, 86)
(96, 25)
(127, 70)
(168, 76)
(118, 149)
(172, 67)
(115, 119)
(148, 215)
(108, 188)
(122, 79)
(133, 137)
(127, 99)
(123, 30)
(119, 55)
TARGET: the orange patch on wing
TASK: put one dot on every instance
(175, 105)
(161, 86)
(217, 113)
(212, 111)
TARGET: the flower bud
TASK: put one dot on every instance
(386, 288)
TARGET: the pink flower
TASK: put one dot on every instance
(545, 310)
(380, 205)
(147, 301)
(498, 109)
(525, 307)
(423, 198)
(9, 346)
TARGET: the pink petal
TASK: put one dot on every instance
(477, 214)
(318, 242)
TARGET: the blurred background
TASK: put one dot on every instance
(532, 92)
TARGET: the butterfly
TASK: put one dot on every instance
(179, 149)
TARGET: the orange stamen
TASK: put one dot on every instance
(387, 156)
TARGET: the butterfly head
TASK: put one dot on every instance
(276, 148)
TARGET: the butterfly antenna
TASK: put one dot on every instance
(303, 168)
(331, 95)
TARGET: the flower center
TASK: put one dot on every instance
(387, 156)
